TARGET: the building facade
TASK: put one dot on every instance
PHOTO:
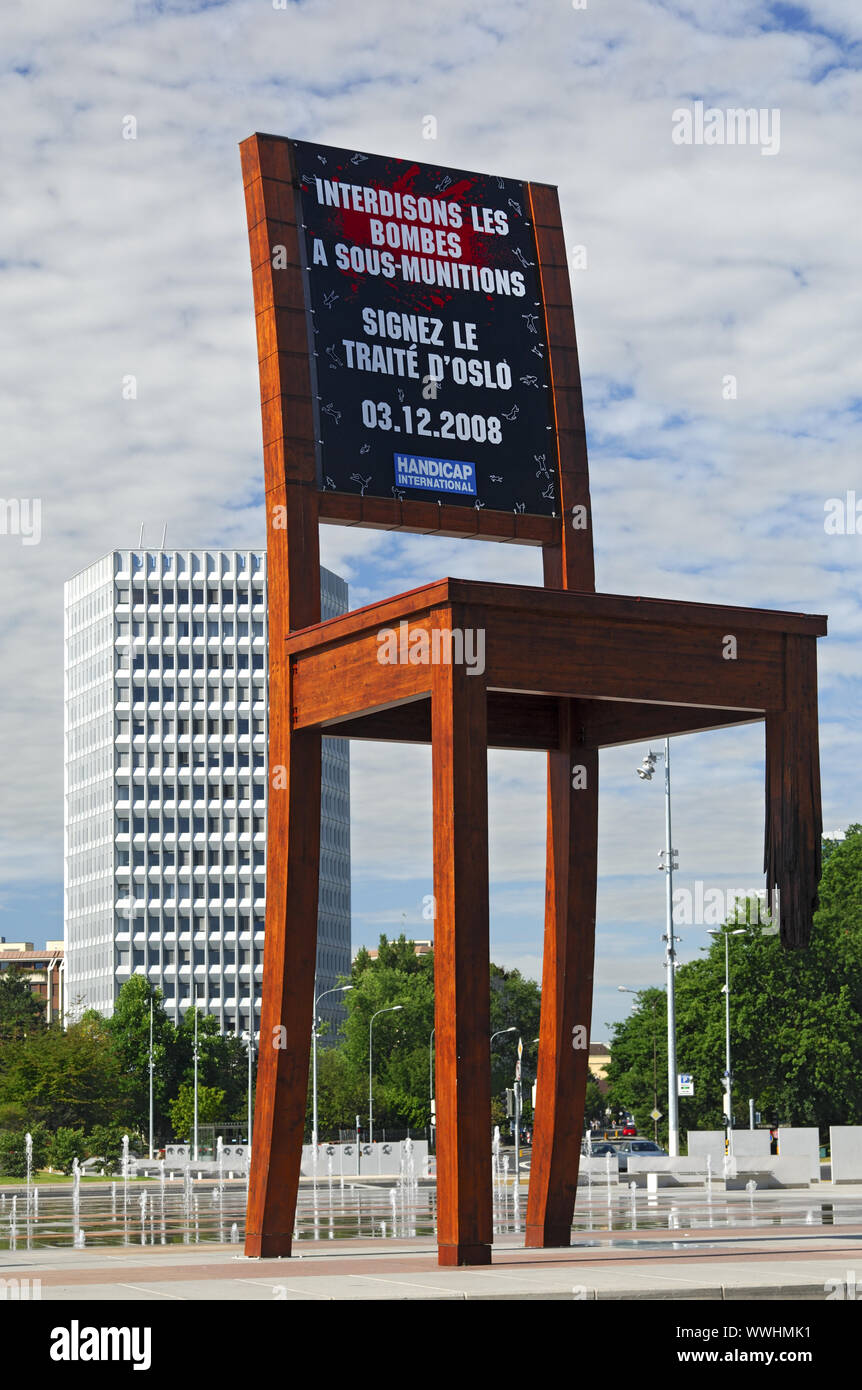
(166, 786)
(42, 969)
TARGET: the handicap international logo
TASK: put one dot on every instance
(440, 475)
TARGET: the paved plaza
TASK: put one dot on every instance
(678, 1245)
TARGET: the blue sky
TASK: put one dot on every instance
(123, 256)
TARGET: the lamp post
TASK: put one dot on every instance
(667, 865)
(499, 1034)
(624, 990)
(151, 1078)
(432, 1126)
(391, 1010)
(195, 1054)
(249, 1042)
(727, 934)
(339, 989)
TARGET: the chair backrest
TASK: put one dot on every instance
(384, 291)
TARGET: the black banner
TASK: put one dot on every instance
(430, 360)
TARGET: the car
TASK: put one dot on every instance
(599, 1147)
(640, 1148)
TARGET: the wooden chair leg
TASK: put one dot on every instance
(794, 823)
(462, 973)
(567, 985)
(293, 855)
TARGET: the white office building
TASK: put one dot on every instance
(166, 785)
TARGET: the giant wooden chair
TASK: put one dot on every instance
(567, 670)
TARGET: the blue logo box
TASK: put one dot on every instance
(437, 475)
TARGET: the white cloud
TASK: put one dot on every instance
(130, 257)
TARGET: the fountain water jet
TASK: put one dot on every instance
(28, 1150)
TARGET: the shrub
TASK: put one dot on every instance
(13, 1161)
(13, 1151)
(106, 1142)
(66, 1145)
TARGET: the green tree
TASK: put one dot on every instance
(401, 1040)
(182, 1108)
(222, 1062)
(13, 1151)
(106, 1142)
(795, 1019)
(22, 1013)
(402, 1047)
(637, 1073)
(129, 1032)
(595, 1101)
(515, 1003)
(66, 1145)
(340, 1094)
(65, 1078)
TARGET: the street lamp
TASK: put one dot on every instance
(195, 1054)
(432, 1126)
(249, 1041)
(339, 989)
(667, 865)
(624, 990)
(500, 1031)
(391, 1010)
(727, 934)
(151, 1078)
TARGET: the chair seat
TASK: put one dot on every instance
(639, 668)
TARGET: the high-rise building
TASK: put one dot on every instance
(166, 785)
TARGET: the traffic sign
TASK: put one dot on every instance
(655, 1114)
(685, 1084)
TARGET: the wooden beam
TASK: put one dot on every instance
(429, 519)
(514, 721)
(532, 721)
(794, 826)
(568, 558)
(608, 723)
(461, 966)
(627, 660)
(293, 818)
(570, 608)
(567, 984)
(348, 678)
(293, 859)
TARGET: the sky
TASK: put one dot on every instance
(716, 291)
